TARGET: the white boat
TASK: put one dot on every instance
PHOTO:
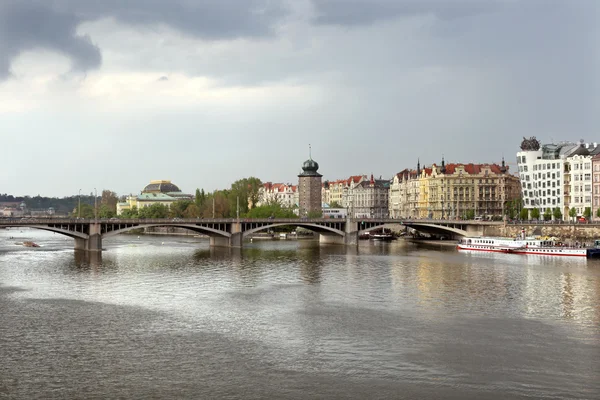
(524, 245)
(387, 236)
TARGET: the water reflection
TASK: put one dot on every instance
(323, 319)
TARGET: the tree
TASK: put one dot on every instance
(274, 210)
(535, 213)
(191, 211)
(200, 198)
(557, 214)
(335, 204)
(156, 210)
(470, 214)
(87, 211)
(524, 214)
(315, 214)
(587, 213)
(110, 200)
(598, 213)
(131, 213)
(247, 191)
(177, 208)
(106, 211)
(573, 213)
(547, 214)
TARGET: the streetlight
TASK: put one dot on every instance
(95, 204)
(79, 208)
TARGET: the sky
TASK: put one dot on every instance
(112, 94)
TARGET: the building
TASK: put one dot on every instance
(450, 191)
(285, 194)
(595, 186)
(404, 194)
(370, 199)
(156, 192)
(556, 175)
(309, 188)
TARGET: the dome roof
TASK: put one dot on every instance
(309, 168)
(161, 187)
(310, 165)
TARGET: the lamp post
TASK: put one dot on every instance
(95, 204)
(79, 208)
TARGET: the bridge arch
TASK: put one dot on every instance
(71, 234)
(195, 228)
(435, 228)
(312, 227)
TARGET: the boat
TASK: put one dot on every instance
(525, 245)
(383, 235)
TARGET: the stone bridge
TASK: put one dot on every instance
(89, 233)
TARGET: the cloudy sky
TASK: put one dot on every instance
(111, 94)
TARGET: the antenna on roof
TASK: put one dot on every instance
(309, 152)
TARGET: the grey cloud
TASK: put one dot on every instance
(26, 26)
(30, 24)
(163, 78)
(361, 12)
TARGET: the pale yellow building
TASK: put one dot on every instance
(450, 191)
(158, 191)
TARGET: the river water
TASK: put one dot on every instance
(169, 317)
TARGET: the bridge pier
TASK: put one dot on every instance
(93, 242)
(331, 239)
(235, 240)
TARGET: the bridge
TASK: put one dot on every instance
(89, 233)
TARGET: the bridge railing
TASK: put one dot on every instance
(173, 221)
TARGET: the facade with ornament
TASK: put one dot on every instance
(558, 177)
(452, 191)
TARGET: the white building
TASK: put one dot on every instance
(580, 188)
(285, 194)
(548, 176)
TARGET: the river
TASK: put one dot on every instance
(168, 317)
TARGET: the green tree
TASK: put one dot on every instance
(106, 211)
(132, 213)
(156, 210)
(535, 213)
(315, 214)
(598, 213)
(87, 211)
(191, 211)
(247, 191)
(547, 214)
(200, 198)
(470, 214)
(335, 204)
(587, 213)
(557, 214)
(524, 214)
(110, 200)
(274, 210)
(177, 208)
(572, 213)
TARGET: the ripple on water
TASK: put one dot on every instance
(290, 320)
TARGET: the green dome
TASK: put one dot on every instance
(310, 165)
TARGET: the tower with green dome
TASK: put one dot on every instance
(309, 187)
